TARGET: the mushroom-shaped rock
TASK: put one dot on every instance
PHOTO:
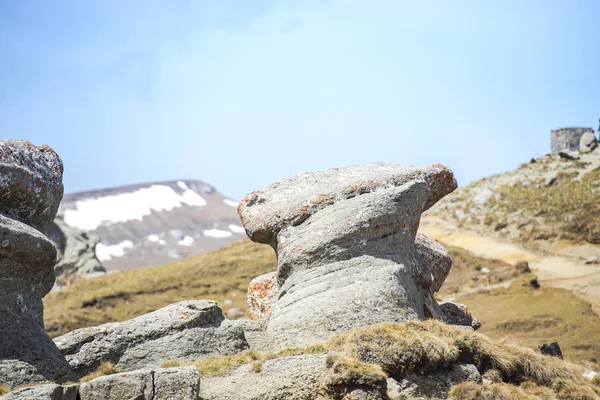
(31, 190)
(345, 244)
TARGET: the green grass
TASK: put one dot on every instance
(218, 275)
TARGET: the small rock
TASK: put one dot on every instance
(262, 294)
(523, 267)
(592, 260)
(485, 270)
(589, 374)
(459, 314)
(569, 154)
(550, 181)
(552, 349)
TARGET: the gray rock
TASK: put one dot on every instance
(569, 154)
(255, 333)
(291, 201)
(434, 261)
(437, 385)
(459, 314)
(187, 330)
(262, 294)
(591, 260)
(18, 373)
(44, 392)
(76, 250)
(588, 142)
(31, 183)
(567, 139)
(345, 245)
(295, 377)
(182, 383)
(345, 261)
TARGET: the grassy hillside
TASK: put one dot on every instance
(536, 204)
(527, 316)
(221, 275)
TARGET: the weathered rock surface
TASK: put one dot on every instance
(435, 385)
(31, 183)
(459, 314)
(76, 250)
(567, 139)
(262, 294)
(31, 186)
(181, 383)
(284, 378)
(303, 377)
(44, 392)
(345, 244)
(588, 142)
(291, 201)
(187, 330)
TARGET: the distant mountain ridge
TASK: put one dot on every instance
(153, 223)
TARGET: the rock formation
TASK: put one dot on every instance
(76, 250)
(31, 187)
(187, 330)
(345, 245)
(567, 139)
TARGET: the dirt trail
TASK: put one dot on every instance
(552, 270)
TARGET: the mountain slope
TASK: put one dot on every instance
(153, 223)
(550, 204)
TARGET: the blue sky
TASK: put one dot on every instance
(243, 93)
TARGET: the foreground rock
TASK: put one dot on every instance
(187, 330)
(588, 142)
(31, 187)
(76, 250)
(301, 377)
(345, 244)
(148, 384)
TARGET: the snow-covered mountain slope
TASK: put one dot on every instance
(154, 223)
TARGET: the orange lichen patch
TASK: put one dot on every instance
(262, 294)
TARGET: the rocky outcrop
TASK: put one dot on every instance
(181, 383)
(567, 139)
(345, 244)
(187, 330)
(459, 314)
(76, 250)
(31, 187)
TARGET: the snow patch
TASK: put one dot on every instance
(186, 241)
(156, 239)
(236, 228)
(89, 214)
(217, 233)
(230, 203)
(106, 252)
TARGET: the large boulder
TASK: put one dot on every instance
(187, 330)
(345, 245)
(45, 392)
(31, 187)
(76, 250)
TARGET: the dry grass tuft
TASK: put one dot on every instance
(4, 389)
(346, 374)
(105, 368)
